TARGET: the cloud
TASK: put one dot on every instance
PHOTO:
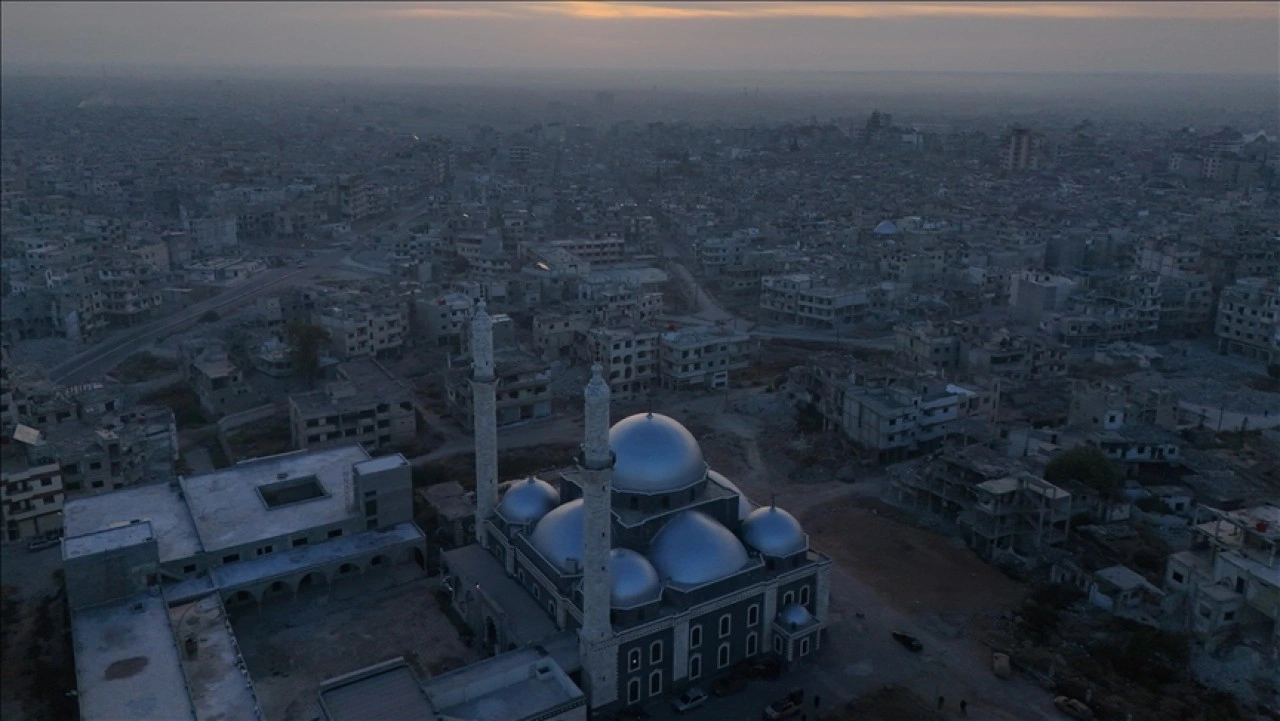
(587, 10)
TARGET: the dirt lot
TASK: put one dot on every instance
(292, 646)
(918, 571)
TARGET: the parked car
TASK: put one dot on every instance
(910, 642)
(1074, 708)
(689, 700)
(768, 670)
(787, 707)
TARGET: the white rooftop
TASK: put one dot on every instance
(158, 504)
(229, 511)
(220, 687)
(127, 663)
(382, 463)
(108, 540)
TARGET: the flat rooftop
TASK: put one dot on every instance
(389, 693)
(514, 685)
(220, 688)
(159, 504)
(229, 511)
(108, 540)
(127, 663)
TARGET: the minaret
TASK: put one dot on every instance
(595, 638)
(484, 406)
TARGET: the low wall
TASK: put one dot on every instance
(1219, 419)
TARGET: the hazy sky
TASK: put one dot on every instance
(1213, 37)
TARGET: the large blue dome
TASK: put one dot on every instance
(693, 549)
(558, 536)
(654, 454)
(633, 580)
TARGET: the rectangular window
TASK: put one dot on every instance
(299, 542)
(335, 533)
(231, 558)
(1177, 577)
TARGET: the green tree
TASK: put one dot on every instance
(305, 342)
(1087, 465)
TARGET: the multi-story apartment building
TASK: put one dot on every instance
(523, 390)
(555, 335)
(614, 305)
(1021, 150)
(607, 249)
(130, 294)
(1032, 293)
(702, 356)
(801, 299)
(1166, 258)
(444, 319)
(629, 357)
(1228, 579)
(715, 255)
(366, 406)
(980, 350)
(217, 381)
(358, 329)
(1249, 319)
(31, 499)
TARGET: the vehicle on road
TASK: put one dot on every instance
(1074, 708)
(911, 643)
(787, 707)
(689, 700)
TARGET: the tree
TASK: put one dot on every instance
(808, 418)
(1087, 465)
(305, 342)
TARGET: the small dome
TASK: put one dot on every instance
(886, 227)
(795, 616)
(744, 504)
(692, 549)
(633, 580)
(654, 454)
(528, 500)
(773, 532)
(558, 536)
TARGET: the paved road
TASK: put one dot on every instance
(96, 361)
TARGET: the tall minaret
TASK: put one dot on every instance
(486, 419)
(595, 639)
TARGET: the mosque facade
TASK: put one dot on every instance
(665, 571)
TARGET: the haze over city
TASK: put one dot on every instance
(593, 361)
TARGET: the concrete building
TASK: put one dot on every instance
(153, 572)
(31, 500)
(1230, 578)
(1001, 507)
(365, 405)
(702, 357)
(217, 381)
(1021, 150)
(1249, 319)
(523, 388)
(444, 319)
(1032, 293)
(361, 329)
(803, 300)
(629, 356)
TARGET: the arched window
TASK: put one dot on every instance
(655, 683)
(722, 656)
(787, 599)
(633, 691)
(804, 647)
(804, 595)
(655, 652)
(695, 666)
(695, 636)
(726, 624)
(777, 644)
(752, 643)
(753, 614)
(633, 659)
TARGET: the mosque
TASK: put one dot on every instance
(650, 570)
